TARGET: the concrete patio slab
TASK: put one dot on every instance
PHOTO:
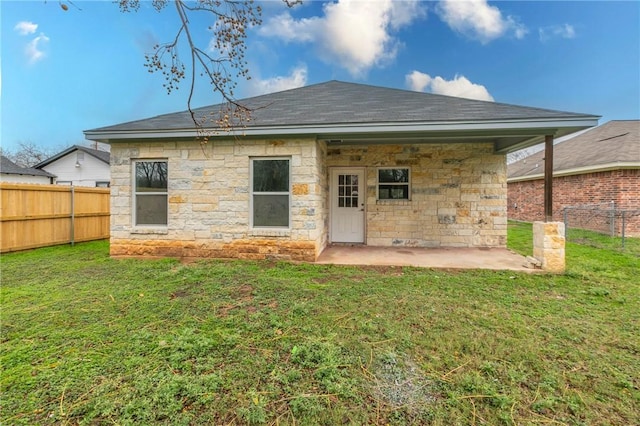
(444, 258)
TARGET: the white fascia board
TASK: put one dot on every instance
(357, 128)
(619, 165)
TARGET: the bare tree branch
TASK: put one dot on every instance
(28, 154)
(222, 63)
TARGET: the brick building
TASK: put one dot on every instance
(600, 167)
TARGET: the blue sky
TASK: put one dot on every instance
(67, 71)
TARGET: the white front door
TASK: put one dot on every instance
(347, 205)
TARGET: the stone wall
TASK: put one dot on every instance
(208, 195)
(526, 198)
(458, 194)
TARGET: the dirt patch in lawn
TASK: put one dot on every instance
(401, 385)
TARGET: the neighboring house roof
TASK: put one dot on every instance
(8, 167)
(613, 145)
(347, 111)
(100, 155)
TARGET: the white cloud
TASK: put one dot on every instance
(356, 35)
(519, 30)
(417, 81)
(33, 50)
(459, 87)
(478, 20)
(562, 31)
(285, 27)
(25, 27)
(297, 78)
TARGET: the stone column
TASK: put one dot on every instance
(548, 245)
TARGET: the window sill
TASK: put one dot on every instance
(394, 202)
(150, 231)
(270, 232)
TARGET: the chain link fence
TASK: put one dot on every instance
(603, 225)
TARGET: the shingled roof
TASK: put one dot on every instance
(100, 155)
(335, 110)
(8, 167)
(613, 145)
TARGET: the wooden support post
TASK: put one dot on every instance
(548, 178)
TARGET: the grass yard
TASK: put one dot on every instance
(91, 340)
(599, 240)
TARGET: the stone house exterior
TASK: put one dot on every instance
(599, 168)
(332, 163)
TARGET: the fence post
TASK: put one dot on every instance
(623, 226)
(73, 216)
(612, 218)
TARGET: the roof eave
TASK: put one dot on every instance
(618, 165)
(531, 128)
(27, 173)
(66, 152)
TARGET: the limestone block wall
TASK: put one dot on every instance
(321, 173)
(458, 194)
(208, 196)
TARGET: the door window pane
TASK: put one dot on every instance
(347, 190)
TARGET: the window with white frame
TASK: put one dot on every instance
(270, 192)
(393, 184)
(150, 192)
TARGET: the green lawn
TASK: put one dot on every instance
(599, 240)
(91, 340)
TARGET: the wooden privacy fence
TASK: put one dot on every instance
(45, 215)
